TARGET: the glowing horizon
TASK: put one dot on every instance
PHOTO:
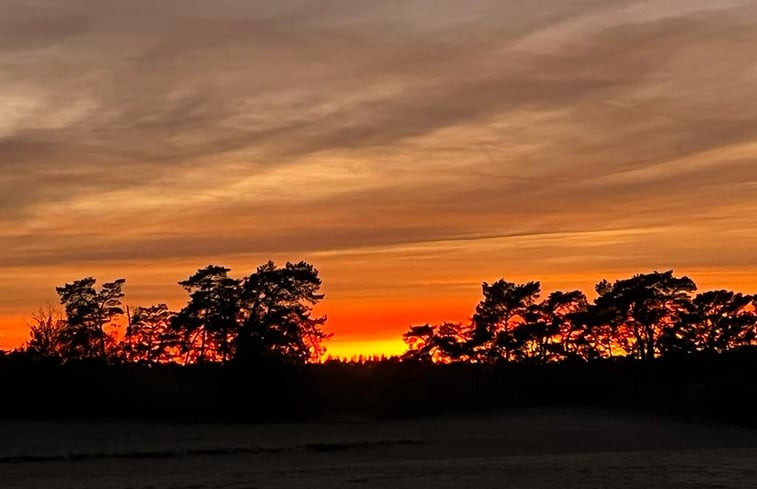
(355, 322)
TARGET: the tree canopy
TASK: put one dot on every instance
(643, 317)
(268, 316)
(264, 316)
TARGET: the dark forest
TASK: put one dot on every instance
(250, 349)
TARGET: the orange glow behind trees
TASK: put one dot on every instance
(271, 313)
(361, 325)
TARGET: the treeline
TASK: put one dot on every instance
(642, 317)
(264, 316)
(245, 349)
(267, 316)
(699, 386)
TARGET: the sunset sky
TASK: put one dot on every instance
(409, 149)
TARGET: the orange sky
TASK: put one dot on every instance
(409, 149)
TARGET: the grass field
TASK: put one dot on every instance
(528, 448)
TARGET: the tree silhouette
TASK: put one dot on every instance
(276, 314)
(268, 317)
(149, 336)
(45, 333)
(716, 321)
(450, 341)
(508, 325)
(420, 342)
(548, 331)
(645, 316)
(644, 306)
(564, 310)
(444, 342)
(503, 309)
(209, 320)
(88, 311)
(598, 331)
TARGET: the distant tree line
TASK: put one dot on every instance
(643, 317)
(648, 342)
(267, 316)
(264, 316)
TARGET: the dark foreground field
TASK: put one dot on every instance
(677, 422)
(533, 448)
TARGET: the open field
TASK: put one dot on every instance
(529, 448)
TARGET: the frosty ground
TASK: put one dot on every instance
(527, 448)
